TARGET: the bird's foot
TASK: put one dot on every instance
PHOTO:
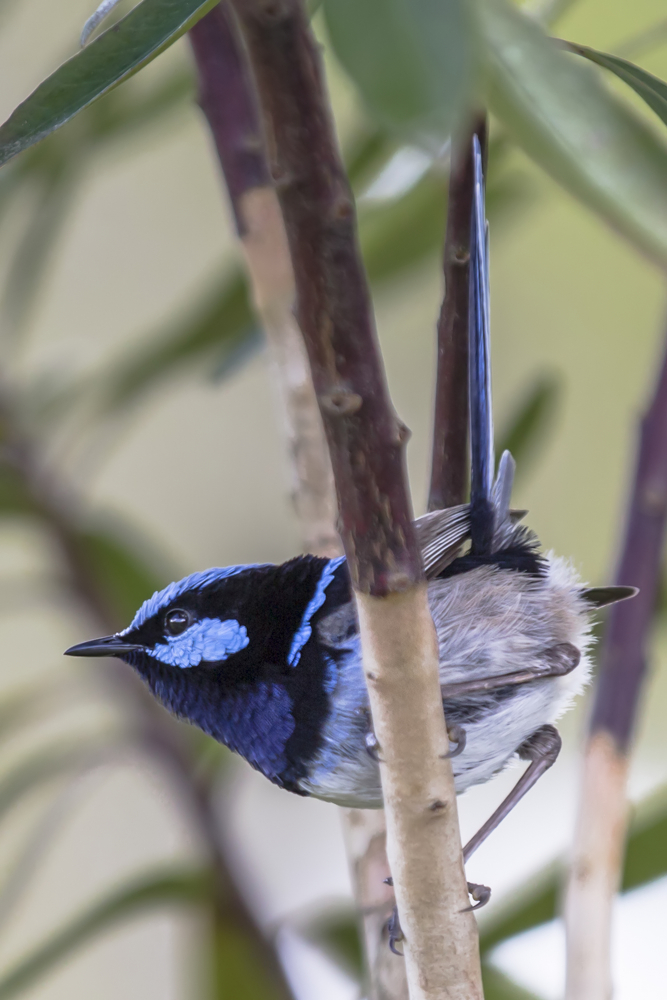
(372, 746)
(395, 932)
(456, 735)
(481, 895)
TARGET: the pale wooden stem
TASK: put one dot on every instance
(423, 844)
(595, 870)
(228, 101)
(365, 832)
(598, 853)
(270, 271)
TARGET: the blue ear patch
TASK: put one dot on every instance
(305, 629)
(209, 639)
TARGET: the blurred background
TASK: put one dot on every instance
(115, 240)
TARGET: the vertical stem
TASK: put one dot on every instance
(449, 466)
(367, 449)
(236, 128)
(598, 850)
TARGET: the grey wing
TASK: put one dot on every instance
(440, 535)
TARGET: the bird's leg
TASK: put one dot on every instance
(480, 893)
(541, 749)
(560, 660)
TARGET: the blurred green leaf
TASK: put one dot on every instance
(114, 56)
(124, 579)
(411, 59)
(649, 87)
(220, 325)
(529, 428)
(537, 902)
(336, 932)
(45, 765)
(238, 971)
(497, 986)
(157, 889)
(14, 497)
(580, 133)
(34, 251)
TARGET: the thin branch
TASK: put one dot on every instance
(236, 126)
(57, 509)
(367, 443)
(598, 851)
(449, 465)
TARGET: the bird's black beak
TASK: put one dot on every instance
(108, 645)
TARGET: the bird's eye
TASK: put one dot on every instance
(176, 621)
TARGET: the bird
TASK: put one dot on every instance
(267, 658)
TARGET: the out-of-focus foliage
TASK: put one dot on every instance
(117, 54)
(649, 87)
(155, 889)
(576, 130)
(416, 74)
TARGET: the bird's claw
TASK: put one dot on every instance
(480, 893)
(395, 932)
(372, 746)
(456, 735)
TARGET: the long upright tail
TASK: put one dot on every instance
(489, 503)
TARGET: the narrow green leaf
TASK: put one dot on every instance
(530, 905)
(45, 765)
(411, 59)
(121, 569)
(217, 327)
(649, 87)
(537, 902)
(336, 932)
(646, 851)
(529, 428)
(160, 888)
(580, 133)
(497, 986)
(115, 55)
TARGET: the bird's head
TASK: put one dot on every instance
(229, 649)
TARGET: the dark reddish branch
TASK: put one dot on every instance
(366, 440)
(449, 466)
(623, 657)
(227, 98)
(155, 731)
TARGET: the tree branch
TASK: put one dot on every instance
(57, 508)
(449, 464)
(366, 443)
(236, 126)
(598, 850)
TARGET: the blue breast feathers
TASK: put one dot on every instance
(305, 630)
(209, 639)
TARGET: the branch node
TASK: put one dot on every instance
(340, 402)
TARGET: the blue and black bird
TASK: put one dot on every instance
(267, 659)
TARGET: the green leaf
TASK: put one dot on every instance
(45, 765)
(649, 87)
(336, 932)
(529, 428)
(580, 133)
(217, 328)
(497, 986)
(411, 59)
(537, 902)
(121, 571)
(115, 55)
(160, 888)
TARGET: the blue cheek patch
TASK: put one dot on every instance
(209, 639)
(305, 629)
